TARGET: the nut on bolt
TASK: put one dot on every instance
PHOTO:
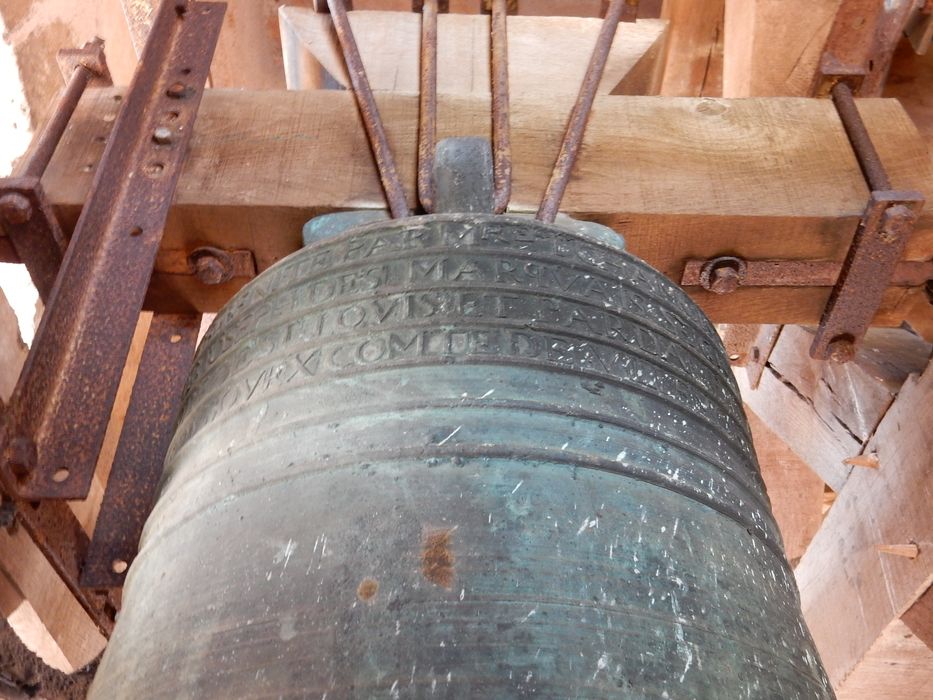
(162, 135)
(211, 265)
(723, 275)
(15, 208)
(841, 349)
(21, 456)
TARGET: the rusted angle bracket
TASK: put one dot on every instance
(876, 248)
(861, 43)
(53, 428)
(59, 411)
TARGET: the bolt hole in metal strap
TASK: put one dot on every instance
(61, 405)
(618, 10)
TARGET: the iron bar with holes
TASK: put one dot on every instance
(57, 417)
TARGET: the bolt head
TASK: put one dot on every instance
(724, 280)
(210, 270)
(15, 208)
(21, 456)
(841, 350)
(162, 135)
(177, 90)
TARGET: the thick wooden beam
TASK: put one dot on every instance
(547, 55)
(823, 446)
(851, 590)
(680, 178)
(30, 574)
(695, 48)
(773, 47)
(854, 395)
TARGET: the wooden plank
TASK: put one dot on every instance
(795, 491)
(25, 621)
(898, 666)
(547, 55)
(773, 47)
(822, 446)
(695, 48)
(850, 591)
(919, 618)
(855, 394)
(66, 621)
(12, 349)
(680, 178)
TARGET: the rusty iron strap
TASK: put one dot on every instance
(427, 118)
(501, 137)
(576, 125)
(62, 402)
(144, 440)
(876, 247)
(33, 231)
(788, 273)
(867, 271)
(427, 106)
(60, 537)
(28, 219)
(860, 45)
(369, 112)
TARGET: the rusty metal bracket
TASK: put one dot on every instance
(90, 58)
(789, 273)
(60, 408)
(427, 113)
(876, 247)
(33, 230)
(866, 273)
(137, 464)
(860, 45)
(210, 265)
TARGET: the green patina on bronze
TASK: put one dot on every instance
(461, 456)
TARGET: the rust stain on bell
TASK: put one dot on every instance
(367, 589)
(437, 558)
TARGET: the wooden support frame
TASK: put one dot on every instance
(262, 163)
(851, 589)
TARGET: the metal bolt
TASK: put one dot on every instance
(723, 275)
(211, 265)
(724, 280)
(162, 135)
(21, 456)
(841, 349)
(7, 513)
(177, 90)
(16, 208)
(209, 270)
